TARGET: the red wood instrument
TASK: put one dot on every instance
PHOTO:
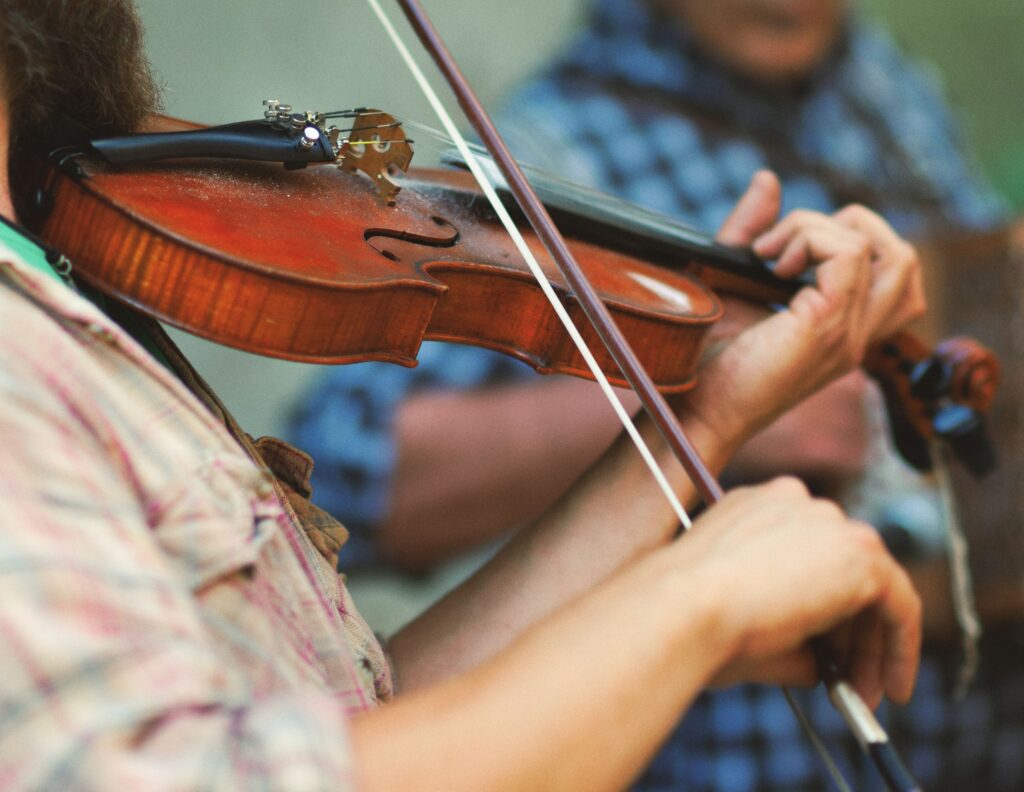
(322, 265)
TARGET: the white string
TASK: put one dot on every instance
(959, 571)
(506, 219)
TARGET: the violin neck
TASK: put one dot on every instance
(611, 222)
(635, 231)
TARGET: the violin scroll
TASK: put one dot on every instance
(974, 372)
(942, 393)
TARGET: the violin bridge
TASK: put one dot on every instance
(375, 144)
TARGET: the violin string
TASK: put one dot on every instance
(594, 198)
(675, 242)
(506, 219)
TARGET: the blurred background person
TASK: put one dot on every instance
(673, 104)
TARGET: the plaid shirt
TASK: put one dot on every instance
(165, 622)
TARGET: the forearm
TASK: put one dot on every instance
(614, 514)
(581, 701)
(472, 465)
(823, 439)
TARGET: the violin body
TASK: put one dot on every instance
(311, 266)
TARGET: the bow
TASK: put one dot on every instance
(855, 711)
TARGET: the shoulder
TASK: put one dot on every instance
(62, 371)
(882, 70)
(32, 340)
(908, 97)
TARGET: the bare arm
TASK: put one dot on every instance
(474, 464)
(583, 698)
(613, 515)
(561, 701)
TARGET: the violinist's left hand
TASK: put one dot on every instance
(868, 286)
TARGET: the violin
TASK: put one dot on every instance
(354, 263)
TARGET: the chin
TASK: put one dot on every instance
(782, 60)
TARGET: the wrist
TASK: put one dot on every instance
(715, 438)
(691, 614)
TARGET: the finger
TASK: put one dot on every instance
(898, 610)
(818, 242)
(755, 211)
(899, 281)
(867, 656)
(771, 243)
(835, 307)
(882, 586)
(882, 235)
(901, 619)
(898, 296)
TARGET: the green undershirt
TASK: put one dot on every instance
(29, 252)
(38, 258)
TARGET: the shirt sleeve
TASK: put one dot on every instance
(909, 97)
(110, 677)
(345, 421)
(538, 122)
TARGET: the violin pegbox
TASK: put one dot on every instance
(376, 143)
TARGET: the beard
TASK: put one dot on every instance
(80, 59)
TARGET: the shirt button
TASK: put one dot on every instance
(265, 488)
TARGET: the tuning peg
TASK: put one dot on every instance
(929, 379)
(964, 429)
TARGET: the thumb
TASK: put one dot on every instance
(755, 212)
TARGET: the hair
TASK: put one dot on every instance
(76, 59)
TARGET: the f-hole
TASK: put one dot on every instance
(448, 236)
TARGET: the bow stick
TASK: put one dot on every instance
(856, 713)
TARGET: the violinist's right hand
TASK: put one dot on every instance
(798, 568)
(602, 662)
